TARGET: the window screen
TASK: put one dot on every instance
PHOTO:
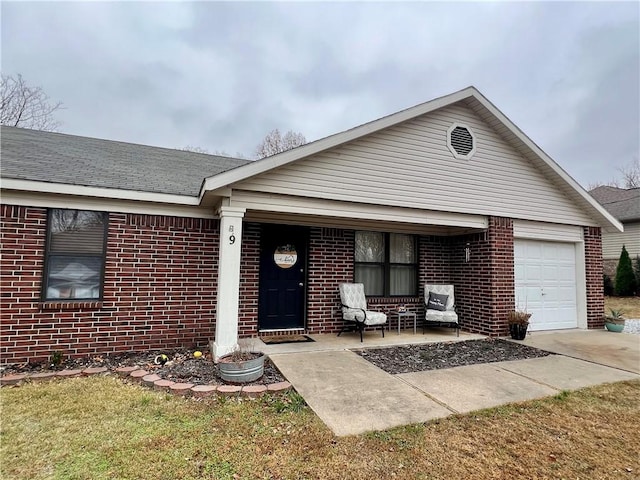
(75, 254)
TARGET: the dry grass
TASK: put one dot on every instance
(629, 305)
(100, 428)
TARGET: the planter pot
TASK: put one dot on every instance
(238, 372)
(614, 327)
(518, 332)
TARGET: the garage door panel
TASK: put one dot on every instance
(546, 283)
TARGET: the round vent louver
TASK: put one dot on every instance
(461, 141)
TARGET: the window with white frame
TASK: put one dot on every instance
(74, 262)
(387, 263)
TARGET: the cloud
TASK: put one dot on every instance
(220, 75)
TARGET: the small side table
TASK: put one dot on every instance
(402, 315)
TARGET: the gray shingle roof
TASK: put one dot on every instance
(624, 204)
(69, 159)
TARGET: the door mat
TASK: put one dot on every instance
(276, 339)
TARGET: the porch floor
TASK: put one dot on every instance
(351, 340)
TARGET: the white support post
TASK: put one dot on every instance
(226, 337)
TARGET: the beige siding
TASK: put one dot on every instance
(409, 165)
(310, 211)
(612, 242)
(547, 231)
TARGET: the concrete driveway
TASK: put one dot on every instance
(617, 350)
(352, 396)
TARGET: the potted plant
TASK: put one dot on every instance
(518, 323)
(614, 321)
(241, 366)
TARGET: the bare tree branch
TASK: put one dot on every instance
(275, 143)
(25, 106)
(631, 174)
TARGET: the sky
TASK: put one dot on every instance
(220, 75)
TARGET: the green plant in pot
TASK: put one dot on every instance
(518, 323)
(614, 321)
(241, 366)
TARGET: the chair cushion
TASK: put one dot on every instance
(375, 318)
(355, 314)
(438, 316)
(437, 301)
(352, 295)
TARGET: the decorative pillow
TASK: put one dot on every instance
(437, 301)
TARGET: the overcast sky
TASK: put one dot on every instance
(219, 76)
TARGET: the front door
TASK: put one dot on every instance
(283, 273)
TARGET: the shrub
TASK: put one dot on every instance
(625, 284)
(608, 285)
(637, 272)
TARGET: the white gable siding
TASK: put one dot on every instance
(612, 242)
(409, 165)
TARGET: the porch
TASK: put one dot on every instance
(327, 342)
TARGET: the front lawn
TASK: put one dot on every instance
(630, 306)
(99, 428)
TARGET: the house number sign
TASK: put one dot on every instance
(232, 237)
(285, 256)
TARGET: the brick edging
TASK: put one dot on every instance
(142, 377)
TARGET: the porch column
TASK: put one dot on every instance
(226, 337)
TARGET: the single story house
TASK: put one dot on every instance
(108, 246)
(624, 205)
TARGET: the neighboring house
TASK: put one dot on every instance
(623, 204)
(108, 246)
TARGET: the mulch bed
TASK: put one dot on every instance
(181, 367)
(434, 356)
(184, 368)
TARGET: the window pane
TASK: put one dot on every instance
(370, 247)
(403, 280)
(372, 276)
(74, 277)
(76, 231)
(402, 248)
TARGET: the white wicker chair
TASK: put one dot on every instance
(441, 318)
(354, 309)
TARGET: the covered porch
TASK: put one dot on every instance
(323, 342)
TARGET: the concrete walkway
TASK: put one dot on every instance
(617, 350)
(352, 396)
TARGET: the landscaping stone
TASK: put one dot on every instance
(94, 370)
(149, 380)
(183, 389)
(138, 374)
(254, 391)
(42, 376)
(200, 391)
(279, 387)
(12, 379)
(69, 373)
(229, 390)
(162, 385)
(126, 371)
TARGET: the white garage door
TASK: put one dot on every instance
(545, 281)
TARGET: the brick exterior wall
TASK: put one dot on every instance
(249, 281)
(161, 282)
(593, 270)
(159, 288)
(485, 289)
(330, 263)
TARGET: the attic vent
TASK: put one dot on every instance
(461, 141)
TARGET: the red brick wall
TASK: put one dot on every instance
(593, 270)
(330, 264)
(159, 291)
(485, 290)
(249, 281)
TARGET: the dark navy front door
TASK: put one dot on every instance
(283, 274)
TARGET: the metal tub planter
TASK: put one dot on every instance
(241, 368)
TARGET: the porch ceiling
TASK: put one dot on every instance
(357, 224)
